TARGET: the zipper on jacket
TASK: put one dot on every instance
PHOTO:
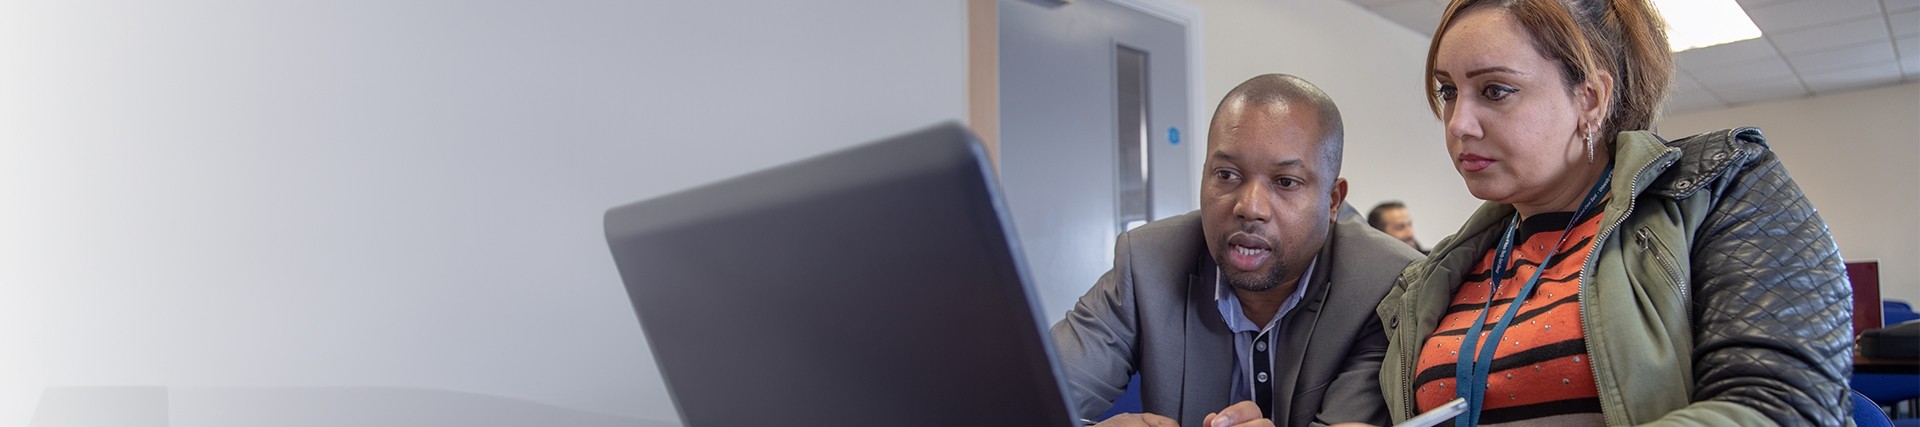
(1586, 272)
(1406, 375)
(1646, 243)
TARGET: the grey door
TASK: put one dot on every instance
(1093, 105)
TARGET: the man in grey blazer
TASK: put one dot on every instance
(1257, 309)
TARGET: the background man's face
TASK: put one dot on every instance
(1397, 223)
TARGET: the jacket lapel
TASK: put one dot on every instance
(1300, 326)
(1209, 354)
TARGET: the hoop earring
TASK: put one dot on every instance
(1589, 145)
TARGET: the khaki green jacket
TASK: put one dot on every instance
(1717, 297)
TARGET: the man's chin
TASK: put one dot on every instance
(1253, 281)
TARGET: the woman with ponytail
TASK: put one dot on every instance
(1612, 277)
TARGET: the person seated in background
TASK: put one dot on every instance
(1391, 217)
(1254, 310)
(1611, 277)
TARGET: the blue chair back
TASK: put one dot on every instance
(1866, 413)
(1127, 403)
(1892, 312)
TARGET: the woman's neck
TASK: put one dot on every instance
(1569, 192)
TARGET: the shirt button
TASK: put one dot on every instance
(1261, 377)
(1262, 346)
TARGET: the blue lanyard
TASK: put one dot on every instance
(1470, 374)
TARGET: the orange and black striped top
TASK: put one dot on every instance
(1541, 370)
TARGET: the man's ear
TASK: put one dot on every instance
(1339, 198)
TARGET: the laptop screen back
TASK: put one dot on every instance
(877, 285)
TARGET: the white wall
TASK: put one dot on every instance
(1372, 68)
(398, 194)
(1857, 155)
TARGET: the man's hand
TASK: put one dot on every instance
(1138, 420)
(1243, 414)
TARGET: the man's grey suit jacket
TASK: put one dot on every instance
(1154, 313)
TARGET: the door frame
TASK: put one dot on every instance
(983, 73)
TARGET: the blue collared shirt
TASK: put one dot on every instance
(1244, 330)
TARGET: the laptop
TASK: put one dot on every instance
(876, 285)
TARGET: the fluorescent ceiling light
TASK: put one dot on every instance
(1700, 23)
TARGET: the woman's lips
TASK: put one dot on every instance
(1473, 163)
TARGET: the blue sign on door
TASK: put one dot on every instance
(1173, 135)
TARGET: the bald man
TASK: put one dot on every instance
(1256, 310)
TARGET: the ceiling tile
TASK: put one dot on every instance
(1909, 49)
(1688, 95)
(1830, 35)
(1901, 5)
(1807, 13)
(1681, 104)
(1730, 53)
(1729, 75)
(1869, 53)
(1905, 23)
(1760, 91)
(1684, 82)
(1686, 87)
(1750, 4)
(1853, 78)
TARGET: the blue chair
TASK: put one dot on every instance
(1896, 311)
(1866, 413)
(1127, 403)
(1887, 387)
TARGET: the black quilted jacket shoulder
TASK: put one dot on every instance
(1771, 308)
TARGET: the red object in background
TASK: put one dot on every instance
(1865, 276)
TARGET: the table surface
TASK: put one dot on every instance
(1863, 365)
